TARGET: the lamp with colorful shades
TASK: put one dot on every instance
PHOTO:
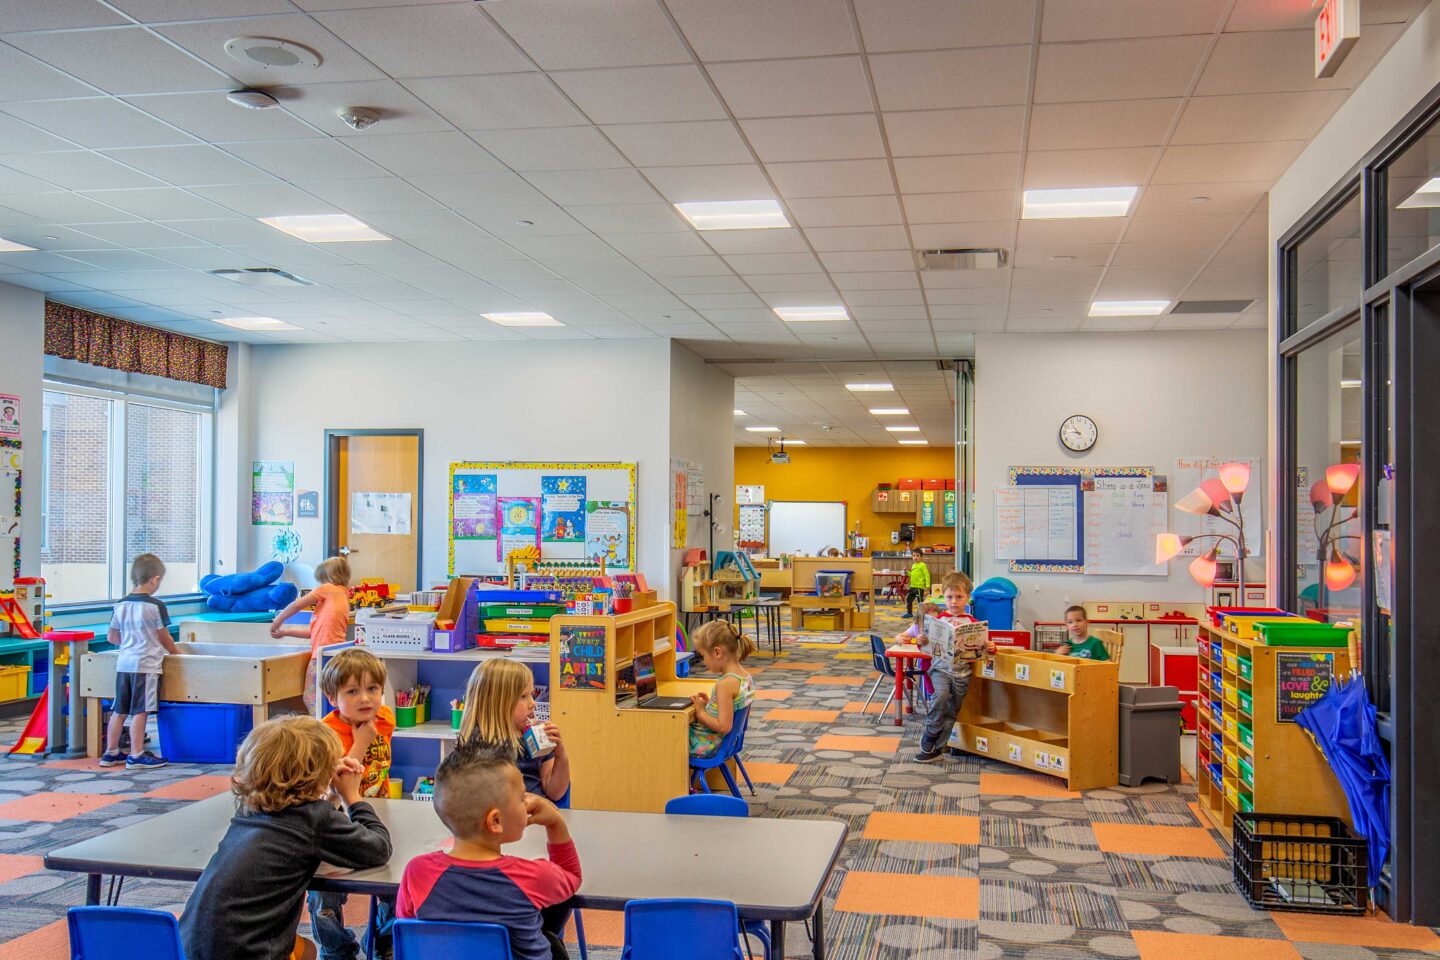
(1215, 497)
(1329, 495)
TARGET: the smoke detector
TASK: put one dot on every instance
(271, 53)
(358, 118)
(969, 258)
(252, 99)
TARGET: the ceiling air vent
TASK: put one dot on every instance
(970, 258)
(261, 277)
(1211, 306)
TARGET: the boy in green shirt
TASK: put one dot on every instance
(919, 584)
(1081, 644)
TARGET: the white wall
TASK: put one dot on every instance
(1154, 396)
(22, 364)
(507, 401)
(702, 432)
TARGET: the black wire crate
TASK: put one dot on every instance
(1305, 864)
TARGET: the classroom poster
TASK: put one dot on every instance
(382, 513)
(607, 533)
(272, 492)
(10, 485)
(680, 503)
(949, 508)
(582, 657)
(1300, 680)
(1190, 472)
(927, 508)
(562, 509)
(519, 521)
(473, 507)
(9, 415)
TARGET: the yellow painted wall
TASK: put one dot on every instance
(850, 474)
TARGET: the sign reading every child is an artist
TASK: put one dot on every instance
(582, 657)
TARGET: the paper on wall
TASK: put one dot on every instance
(380, 513)
(1035, 522)
(1123, 516)
(1190, 472)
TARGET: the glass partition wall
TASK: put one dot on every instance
(1359, 423)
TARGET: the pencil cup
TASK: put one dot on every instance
(455, 716)
(404, 716)
(397, 789)
(422, 711)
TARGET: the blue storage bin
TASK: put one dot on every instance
(202, 732)
(833, 583)
(994, 602)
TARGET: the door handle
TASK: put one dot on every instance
(346, 551)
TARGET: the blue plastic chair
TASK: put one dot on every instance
(564, 804)
(122, 933)
(428, 939)
(886, 669)
(729, 747)
(666, 929)
(719, 805)
(740, 749)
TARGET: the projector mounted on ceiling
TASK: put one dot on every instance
(778, 456)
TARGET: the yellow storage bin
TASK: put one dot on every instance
(824, 621)
(1230, 695)
(1248, 628)
(1232, 793)
(1232, 727)
(1232, 662)
(1232, 761)
(14, 683)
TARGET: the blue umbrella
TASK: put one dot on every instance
(1342, 723)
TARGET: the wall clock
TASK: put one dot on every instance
(1079, 433)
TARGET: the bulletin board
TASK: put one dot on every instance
(10, 464)
(1068, 485)
(569, 511)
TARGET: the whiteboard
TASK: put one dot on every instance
(1035, 523)
(1123, 516)
(805, 526)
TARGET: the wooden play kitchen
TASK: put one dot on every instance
(1045, 712)
(1253, 680)
(855, 609)
(621, 758)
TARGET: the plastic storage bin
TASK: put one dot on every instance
(1306, 864)
(994, 602)
(14, 682)
(832, 583)
(202, 732)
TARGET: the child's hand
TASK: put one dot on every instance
(365, 734)
(700, 700)
(553, 732)
(275, 630)
(346, 779)
(539, 810)
(989, 646)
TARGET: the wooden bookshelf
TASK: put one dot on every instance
(1264, 764)
(861, 614)
(1047, 713)
(622, 758)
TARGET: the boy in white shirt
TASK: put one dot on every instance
(139, 629)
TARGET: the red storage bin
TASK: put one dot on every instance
(909, 483)
(932, 484)
(949, 484)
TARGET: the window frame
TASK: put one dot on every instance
(118, 532)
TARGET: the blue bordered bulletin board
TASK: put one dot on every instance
(1064, 477)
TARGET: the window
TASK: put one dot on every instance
(1412, 192)
(1328, 270)
(123, 476)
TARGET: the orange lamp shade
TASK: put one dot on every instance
(1320, 497)
(1235, 476)
(1168, 545)
(1196, 502)
(1218, 494)
(1339, 574)
(1204, 569)
(1341, 477)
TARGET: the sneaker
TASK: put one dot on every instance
(112, 758)
(930, 756)
(146, 759)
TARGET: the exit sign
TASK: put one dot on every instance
(1336, 30)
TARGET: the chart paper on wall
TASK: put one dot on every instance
(1035, 523)
(380, 513)
(1123, 516)
(1190, 472)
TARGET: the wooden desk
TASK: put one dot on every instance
(773, 870)
(862, 585)
(800, 602)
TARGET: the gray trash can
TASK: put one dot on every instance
(1149, 734)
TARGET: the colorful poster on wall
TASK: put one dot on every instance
(607, 533)
(272, 492)
(472, 499)
(519, 521)
(949, 508)
(679, 503)
(380, 513)
(582, 657)
(10, 486)
(9, 415)
(1300, 680)
(562, 509)
(927, 508)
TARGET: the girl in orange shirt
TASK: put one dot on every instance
(331, 600)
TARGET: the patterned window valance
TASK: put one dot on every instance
(75, 334)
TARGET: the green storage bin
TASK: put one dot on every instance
(1247, 736)
(509, 611)
(1245, 668)
(1247, 802)
(1247, 773)
(1246, 702)
(1304, 633)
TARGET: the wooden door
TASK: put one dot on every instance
(374, 506)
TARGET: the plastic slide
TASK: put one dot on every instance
(36, 733)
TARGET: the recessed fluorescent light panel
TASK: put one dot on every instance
(870, 387)
(1128, 308)
(793, 443)
(914, 443)
(762, 429)
(803, 314)
(890, 411)
(1073, 204)
(1354, 384)
(1427, 196)
(255, 324)
(733, 214)
(10, 246)
(740, 413)
(903, 429)
(532, 319)
(325, 228)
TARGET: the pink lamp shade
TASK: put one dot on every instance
(1204, 569)
(1196, 502)
(1218, 494)
(1341, 477)
(1235, 477)
(1339, 574)
(1168, 546)
(1320, 496)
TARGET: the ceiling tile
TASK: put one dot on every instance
(656, 244)
(1188, 252)
(832, 178)
(679, 144)
(763, 263)
(206, 39)
(1042, 324)
(1116, 69)
(757, 29)
(420, 154)
(466, 191)
(18, 15)
(28, 79)
(122, 61)
(531, 217)
(641, 94)
(162, 11)
(730, 182)
(935, 132)
(1178, 198)
(964, 174)
(1194, 227)
(1055, 275)
(593, 186)
(1111, 123)
(166, 203)
(628, 217)
(76, 170)
(846, 211)
(793, 283)
(97, 123)
(433, 41)
(186, 166)
(961, 207)
(253, 200)
(726, 242)
(16, 136)
(1122, 166)
(868, 260)
(1220, 162)
(936, 80)
(782, 88)
(916, 24)
(1107, 19)
(564, 35)
(361, 197)
(309, 159)
(1284, 60)
(1105, 230)
(400, 110)
(859, 298)
(840, 137)
(139, 235)
(1075, 254)
(552, 148)
(1171, 275)
(1117, 323)
(989, 233)
(497, 102)
(1252, 117)
(876, 281)
(209, 117)
(857, 238)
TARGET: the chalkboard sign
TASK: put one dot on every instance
(582, 657)
(1300, 680)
